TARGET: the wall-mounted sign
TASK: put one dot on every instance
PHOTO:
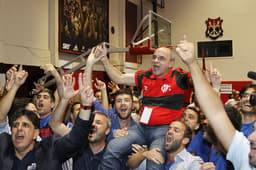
(214, 28)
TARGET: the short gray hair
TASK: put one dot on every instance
(103, 114)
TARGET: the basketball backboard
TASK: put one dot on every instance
(154, 31)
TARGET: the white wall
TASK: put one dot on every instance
(24, 32)
(189, 16)
(29, 30)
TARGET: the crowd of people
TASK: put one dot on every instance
(147, 126)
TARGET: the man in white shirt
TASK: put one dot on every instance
(238, 147)
(177, 137)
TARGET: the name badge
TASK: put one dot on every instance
(146, 114)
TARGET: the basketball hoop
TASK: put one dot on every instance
(153, 31)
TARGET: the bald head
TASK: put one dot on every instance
(162, 61)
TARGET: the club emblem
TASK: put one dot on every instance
(165, 87)
(214, 29)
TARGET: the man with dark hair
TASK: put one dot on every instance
(20, 151)
(15, 79)
(191, 116)
(197, 146)
(248, 111)
(177, 137)
(217, 155)
(121, 117)
(44, 102)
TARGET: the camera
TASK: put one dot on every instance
(253, 99)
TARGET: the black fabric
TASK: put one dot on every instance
(170, 102)
(28, 162)
(88, 160)
(51, 152)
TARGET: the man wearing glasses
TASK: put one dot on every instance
(163, 98)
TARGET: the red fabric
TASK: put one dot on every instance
(153, 87)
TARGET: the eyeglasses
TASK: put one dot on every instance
(245, 95)
(159, 58)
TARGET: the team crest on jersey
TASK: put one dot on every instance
(214, 28)
(145, 87)
(165, 88)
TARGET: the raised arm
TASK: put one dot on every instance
(100, 53)
(86, 94)
(73, 141)
(113, 86)
(100, 85)
(49, 68)
(208, 100)
(116, 75)
(18, 78)
(57, 118)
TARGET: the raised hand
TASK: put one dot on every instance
(185, 50)
(49, 68)
(68, 87)
(20, 76)
(100, 85)
(86, 92)
(215, 77)
(97, 53)
(38, 88)
(113, 86)
(10, 77)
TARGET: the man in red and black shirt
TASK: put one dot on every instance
(163, 97)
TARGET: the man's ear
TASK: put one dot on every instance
(197, 126)
(171, 64)
(36, 133)
(185, 141)
(107, 131)
(52, 105)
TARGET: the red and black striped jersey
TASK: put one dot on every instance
(165, 96)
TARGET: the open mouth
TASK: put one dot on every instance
(92, 130)
(155, 67)
(40, 105)
(247, 104)
(123, 109)
(19, 138)
(169, 138)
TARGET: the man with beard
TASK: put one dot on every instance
(163, 98)
(248, 111)
(240, 150)
(93, 153)
(121, 118)
(89, 155)
(198, 145)
(177, 137)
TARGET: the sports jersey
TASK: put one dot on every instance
(45, 129)
(163, 98)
